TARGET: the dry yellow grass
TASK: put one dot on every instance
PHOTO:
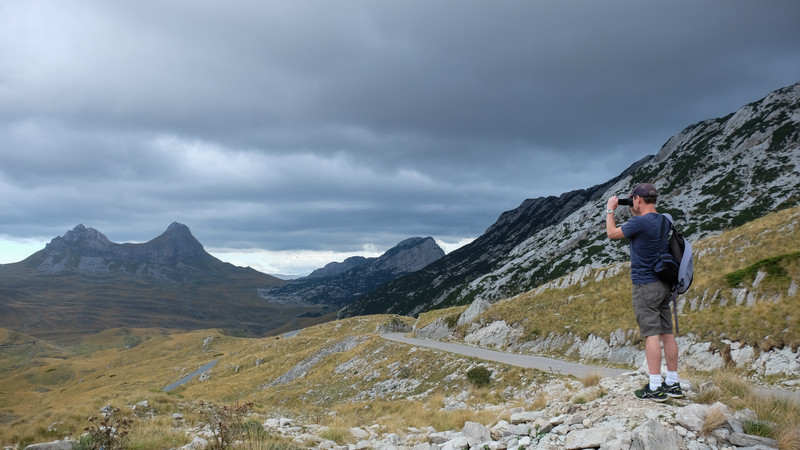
(789, 439)
(429, 317)
(592, 379)
(715, 418)
(35, 396)
(67, 385)
(733, 389)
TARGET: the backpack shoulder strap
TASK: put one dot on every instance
(664, 236)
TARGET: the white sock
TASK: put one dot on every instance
(655, 381)
(672, 377)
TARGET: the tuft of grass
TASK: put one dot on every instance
(154, 433)
(715, 418)
(593, 379)
(733, 389)
(337, 434)
(789, 439)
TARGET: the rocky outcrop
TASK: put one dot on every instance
(304, 366)
(617, 348)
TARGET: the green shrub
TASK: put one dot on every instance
(479, 376)
(772, 266)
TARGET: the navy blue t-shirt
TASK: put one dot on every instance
(644, 234)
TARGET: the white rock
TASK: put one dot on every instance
(476, 308)
(589, 438)
(197, 443)
(692, 416)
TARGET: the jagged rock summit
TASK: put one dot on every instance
(339, 284)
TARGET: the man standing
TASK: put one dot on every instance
(650, 295)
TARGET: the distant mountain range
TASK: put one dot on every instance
(339, 284)
(83, 283)
(711, 176)
(174, 256)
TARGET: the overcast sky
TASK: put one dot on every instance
(290, 134)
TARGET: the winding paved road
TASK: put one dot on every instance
(189, 377)
(528, 361)
(548, 364)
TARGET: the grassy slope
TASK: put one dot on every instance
(708, 309)
(42, 384)
(67, 391)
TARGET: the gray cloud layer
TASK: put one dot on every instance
(331, 125)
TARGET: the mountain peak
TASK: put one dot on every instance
(341, 283)
(176, 254)
(83, 234)
(176, 227)
(178, 241)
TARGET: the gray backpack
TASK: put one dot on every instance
(675, 265)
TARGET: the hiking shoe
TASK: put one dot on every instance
(672, 390)
(646, 393)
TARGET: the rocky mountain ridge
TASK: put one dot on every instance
(337, 268)
(713, 175)
(82, 283)
(339, 284)
(175, 255)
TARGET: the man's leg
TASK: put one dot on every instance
(652, 352)
(670, 352)
(672, 386)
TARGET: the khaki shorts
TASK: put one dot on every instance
(651, 307)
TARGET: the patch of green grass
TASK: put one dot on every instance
(774, 268)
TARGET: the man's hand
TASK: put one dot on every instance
(613, 202)
(613, 231)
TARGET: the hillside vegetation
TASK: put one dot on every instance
(342, 373)
(744, 289)
(374, 379)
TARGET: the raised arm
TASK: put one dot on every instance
(613, 231)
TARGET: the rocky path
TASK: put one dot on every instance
(528, 361)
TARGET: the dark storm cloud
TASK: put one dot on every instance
(338, 125)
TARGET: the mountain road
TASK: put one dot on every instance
(528, 361)
(550, 365)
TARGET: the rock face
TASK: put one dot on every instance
(714, 174)
(339, 284)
